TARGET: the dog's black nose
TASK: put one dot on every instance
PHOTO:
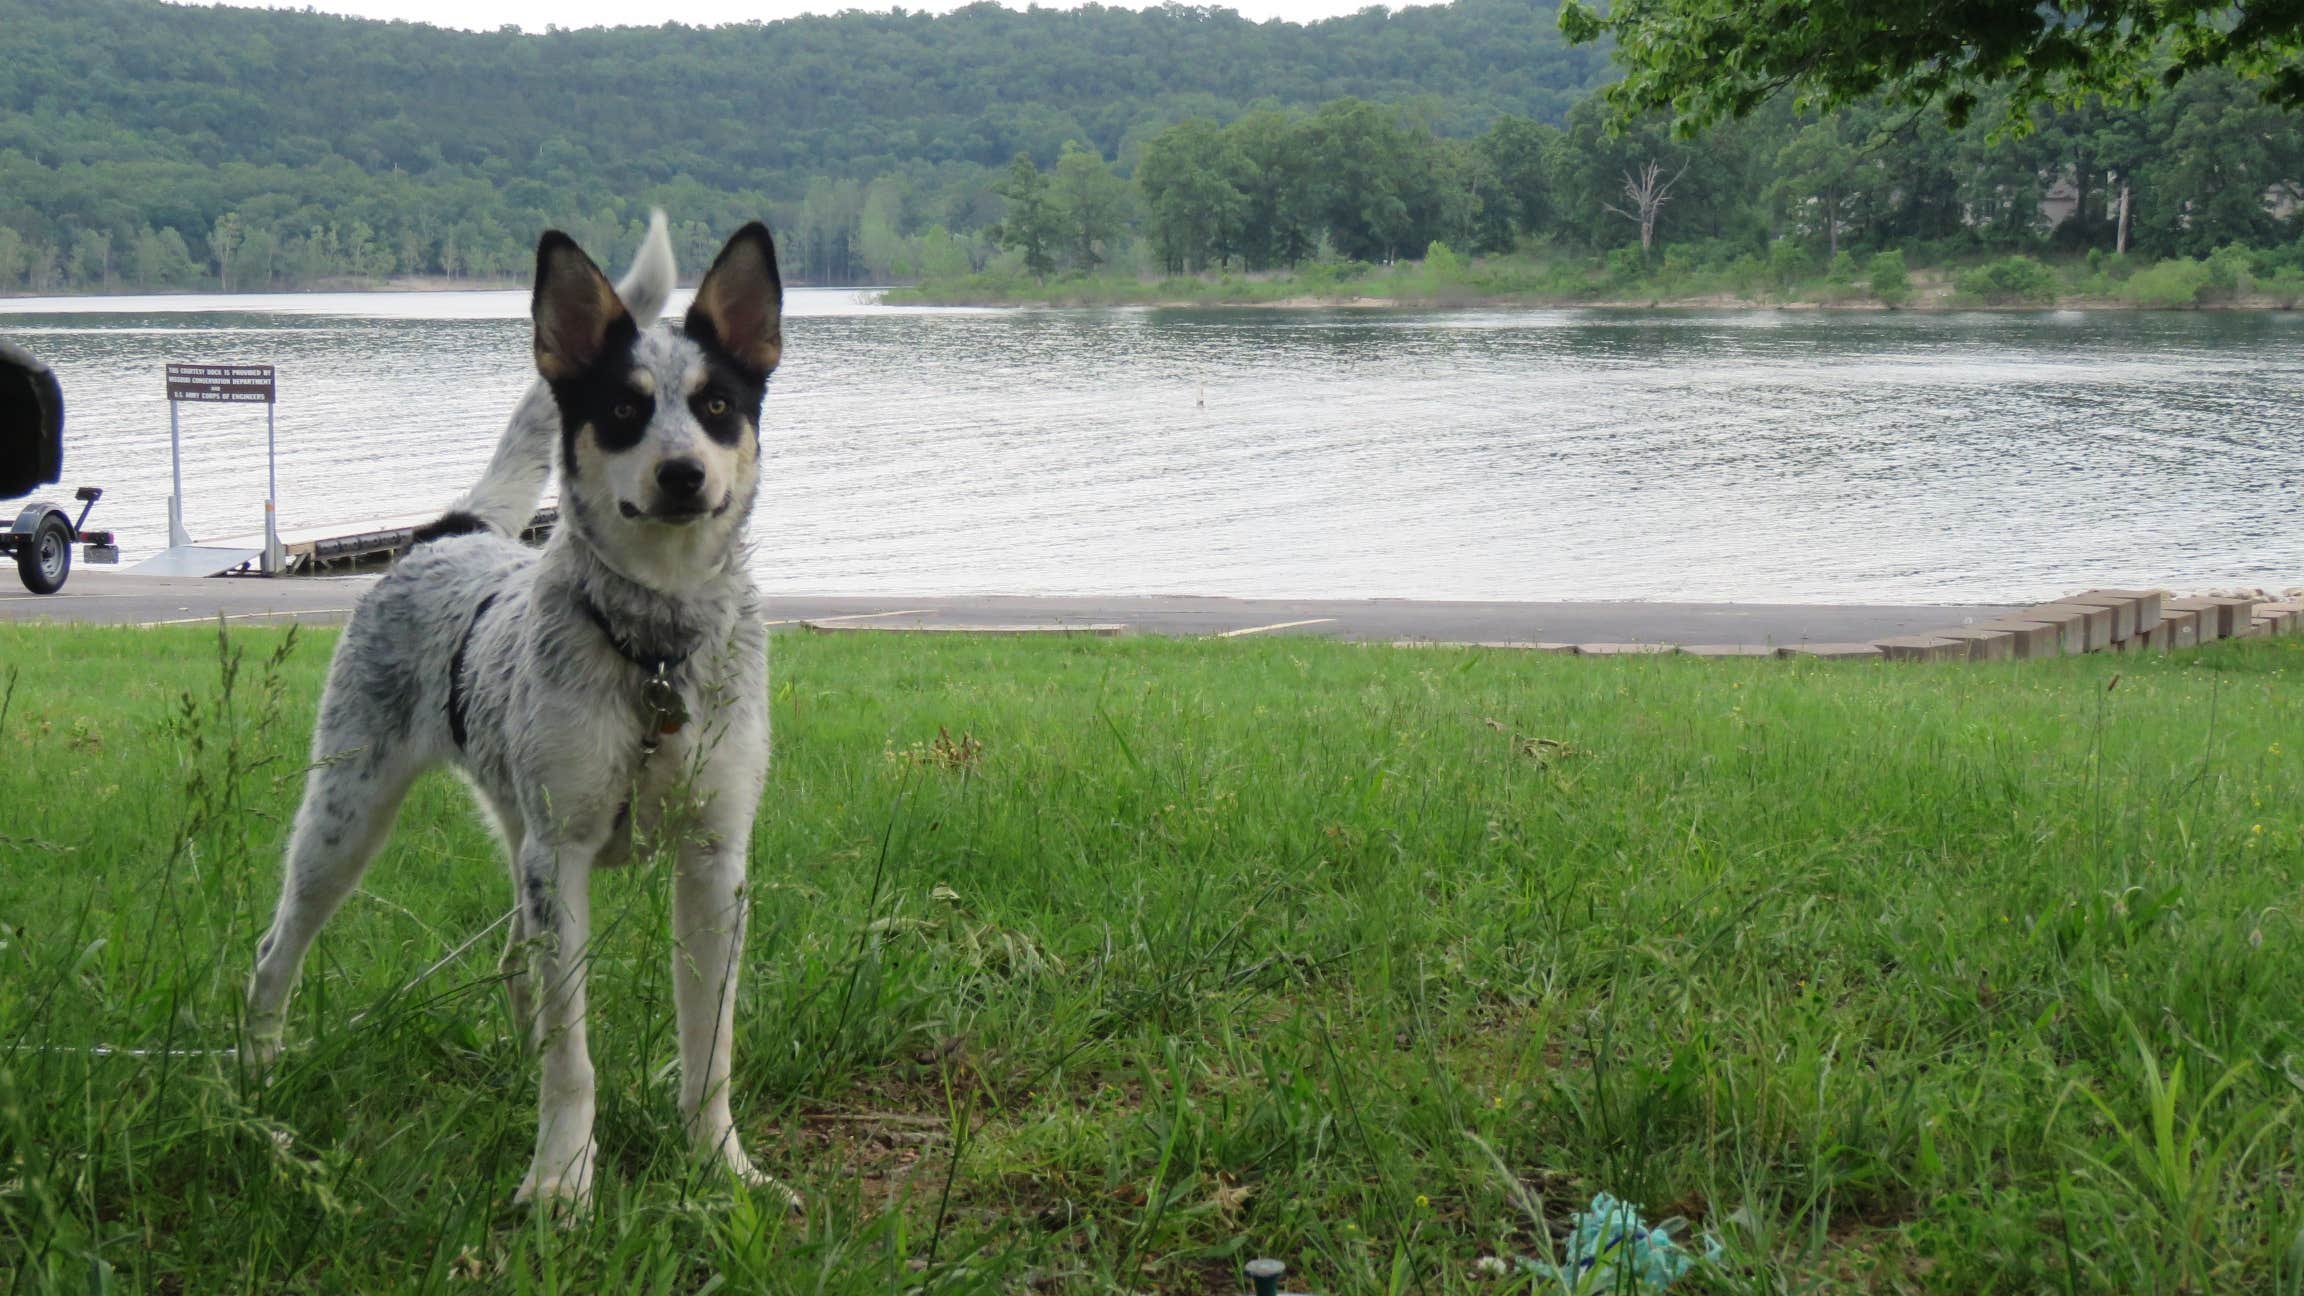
(680, 479)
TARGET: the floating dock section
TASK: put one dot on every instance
(332, 550)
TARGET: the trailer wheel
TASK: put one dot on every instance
(47, 560)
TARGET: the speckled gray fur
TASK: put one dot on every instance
(554, 730)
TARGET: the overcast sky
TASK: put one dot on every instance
(535, 15)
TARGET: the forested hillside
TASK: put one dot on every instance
(416, 149)
(153, 146)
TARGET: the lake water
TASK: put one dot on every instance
(1501, 454)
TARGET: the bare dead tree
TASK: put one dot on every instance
(2120, 239)
(1648, 191)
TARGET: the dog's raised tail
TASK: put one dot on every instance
(649, 283)
(504, 499)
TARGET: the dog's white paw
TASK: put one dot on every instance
(559, 1182)
(758, 1180)
(729, 1154)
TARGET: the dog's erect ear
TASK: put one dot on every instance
(740, 305)
(576, 309)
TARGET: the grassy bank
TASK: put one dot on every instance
(1106, 965)
(2232, 278)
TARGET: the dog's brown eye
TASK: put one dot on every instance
(626, 410)
(716, 407)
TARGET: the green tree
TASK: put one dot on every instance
(15, 257)
(1371, 171)
(225, 239)
(2001, 185)
(1090, 202)
(163, 260)
(1708, 60)
(1519, 152)
(2220, 150)
(2010, 281)
(1032, 222)
(1789, 264)
(1888, 279)
(91, 259)
(826, 230)
(1280, 214)
(43, 266)
(1816, 173)
(942, 256)
(880, 242)
(1191, 175)
(1712, 194)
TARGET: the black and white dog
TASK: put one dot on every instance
(612, 685)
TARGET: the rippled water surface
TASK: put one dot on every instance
(1489, 455)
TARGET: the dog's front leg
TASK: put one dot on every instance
(556, 898)
(709, 906)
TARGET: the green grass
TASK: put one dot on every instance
(1932, 979)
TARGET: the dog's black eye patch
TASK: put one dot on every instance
(617, 415)
(720, 410)
(602, 398)
(730, 396)
(626, 420)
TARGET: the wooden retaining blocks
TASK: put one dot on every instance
(2205, 617)
(1518, 645)
(2103, 620)
(2123, 612)
(2147, 604)
(1834, 651)
(2280, 618)
(2239, 614)
(1985, 642)
(1921, 648)
(2096, 628)
(2071, 624)
(2217, 619)
(1623, 649)
(2029, 639)
(2179, 627)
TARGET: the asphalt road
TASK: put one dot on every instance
(95, 596)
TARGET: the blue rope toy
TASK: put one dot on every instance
(1613, 1250)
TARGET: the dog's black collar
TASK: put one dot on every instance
(654, 664)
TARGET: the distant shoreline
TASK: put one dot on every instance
(410, 284)
(1444, 280)
(1934, 300)
(1706, 302)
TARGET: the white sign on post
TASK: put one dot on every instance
(225, 384)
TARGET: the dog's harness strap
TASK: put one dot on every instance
(456, 699)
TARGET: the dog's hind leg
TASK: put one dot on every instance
(348, 808)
